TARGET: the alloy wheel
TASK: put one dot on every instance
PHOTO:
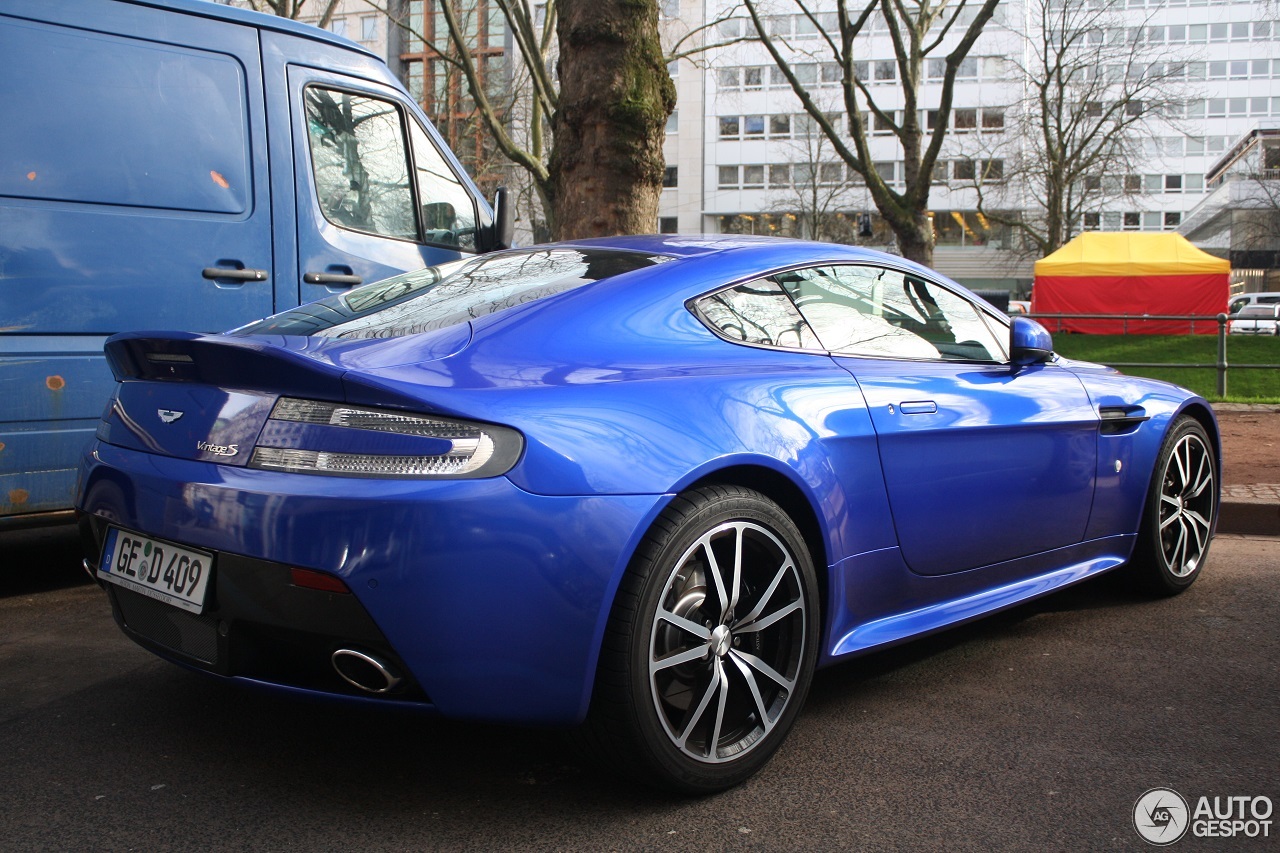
(727, 642)
(1187, 496)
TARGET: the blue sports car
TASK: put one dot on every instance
(640, 485)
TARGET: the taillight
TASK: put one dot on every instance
(315, 437)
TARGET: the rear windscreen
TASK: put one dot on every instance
(439, 297)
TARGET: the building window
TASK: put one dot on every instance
(1172, 220)
(673, 122)
(1132, 221)
(368, 28)
(1092, 221)
(993, 118)
(728, 177)
(668, 225)
(730, 127)
(965, 120)
(670, 176)
(338, 26)
(831, 174)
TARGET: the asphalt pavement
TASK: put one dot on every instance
(1037, 729)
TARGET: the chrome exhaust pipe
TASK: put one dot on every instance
(363, 670)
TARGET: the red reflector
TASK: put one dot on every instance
(308, 579)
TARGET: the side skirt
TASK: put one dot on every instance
(968, 600)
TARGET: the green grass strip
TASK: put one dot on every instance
(1244, 386)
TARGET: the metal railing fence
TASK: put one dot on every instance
(1222, 366)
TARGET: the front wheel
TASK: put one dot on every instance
(711, 644)
(1177, 520)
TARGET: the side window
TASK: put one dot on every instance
(758, 312)
(361, 164)
(882, 313)
(448, 211)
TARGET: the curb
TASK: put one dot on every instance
(1252, 517)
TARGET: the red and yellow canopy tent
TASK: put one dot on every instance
(1131, 273)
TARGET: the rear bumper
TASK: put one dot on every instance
(493, 600)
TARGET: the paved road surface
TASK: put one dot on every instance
(1036, 729)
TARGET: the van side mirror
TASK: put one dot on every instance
(501, 233)
(1029, 342)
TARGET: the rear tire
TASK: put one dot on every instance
(1177, 520)
(710, 647)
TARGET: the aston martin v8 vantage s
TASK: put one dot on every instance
(644, 486)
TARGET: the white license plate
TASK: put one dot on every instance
(155, 568)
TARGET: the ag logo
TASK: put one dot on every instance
(1161, 816)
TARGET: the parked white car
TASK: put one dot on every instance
(1244, 300)
(1256, 320)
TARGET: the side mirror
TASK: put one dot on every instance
(501, 233)
(1029, 342)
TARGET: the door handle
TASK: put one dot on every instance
(918, 407)
(332, 278)
(232, 274)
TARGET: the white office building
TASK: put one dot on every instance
(739, 144)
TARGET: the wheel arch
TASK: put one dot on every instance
(794, 501)
(1201, 412)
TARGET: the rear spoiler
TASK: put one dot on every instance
(248, 363)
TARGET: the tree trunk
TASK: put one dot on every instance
(615, 97)
(916, 243)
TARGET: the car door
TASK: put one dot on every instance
(983, 463)
(376, 196)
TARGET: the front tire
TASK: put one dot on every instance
(711, 645)
(1177, 521)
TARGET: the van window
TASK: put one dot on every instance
(448, 210)
(112, 120)
(361, 163)
(367, 181)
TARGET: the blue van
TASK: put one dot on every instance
(178, 164)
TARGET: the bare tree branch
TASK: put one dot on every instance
(909, 24)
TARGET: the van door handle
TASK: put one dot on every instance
(331, 278)
(225, 274)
